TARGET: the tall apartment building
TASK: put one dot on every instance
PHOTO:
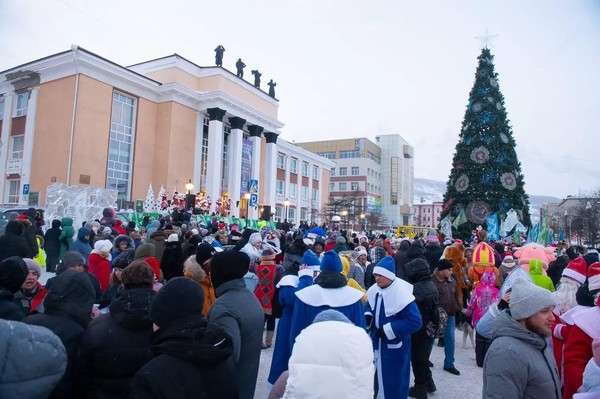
(78, 118)
(378, 176)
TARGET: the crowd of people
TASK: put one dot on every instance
(175, 308)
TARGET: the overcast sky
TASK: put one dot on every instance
(350, 68)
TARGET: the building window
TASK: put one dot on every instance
(21, 104)
(120, 145)
(304, 193)
(315, 173)
(280, 161)
(293, 165)
(12, 194)
(279, 187)
(373, 157)
(354, 186)
(328, 155)
(349, 154)
(1, 108)
(355, 170)
(293, 190)
(278, 213)
(344, 171)
(291, 216)
(315, 195)
(303, 214)
(305, 169)
(16, 147)
(342, 186)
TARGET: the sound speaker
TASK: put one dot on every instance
(266, 214)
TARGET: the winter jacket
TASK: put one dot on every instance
(191, 362)
(81, 244)
(32, 302)
(519, 363)
(209, 295)
(171, 263)
(116, 345)
(99, 266)
(66, 236)
(401, 257)
(51, 239)
(433, 253)
(116, 251)
(8, 309)
(535, 271)
(483, 297)
(425, 292)
(239, 313)
(159, 239)
(68, 309)
(33, 360)
(447, 294)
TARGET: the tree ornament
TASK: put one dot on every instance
(486, 117)
(488, 177)
(498, 105)
(504, 138)
(480, 155)
(490, 99)
(493, 82)
(448, 204)
(478, 211)
(462, 183)
(501, 159)
(477, 107)
(488, 138)
(508, 181)
(469, 140)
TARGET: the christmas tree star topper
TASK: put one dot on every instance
(486, 40)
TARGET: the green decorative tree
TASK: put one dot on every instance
(486, 175)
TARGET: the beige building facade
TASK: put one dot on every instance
(78, 118)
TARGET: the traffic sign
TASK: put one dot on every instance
(253, 186)
(254, 200)
(25, 189)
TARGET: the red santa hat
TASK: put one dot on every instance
(576, 270)
(593, 276)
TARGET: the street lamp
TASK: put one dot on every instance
(190, 199)
(362, 221)
(345, 215)
(287, 204)
(247, 198)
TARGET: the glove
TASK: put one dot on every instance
(381, 333)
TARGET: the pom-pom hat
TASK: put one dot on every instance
(576, 269)
(386, 267)
(483, 255)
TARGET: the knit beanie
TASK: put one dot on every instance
(73, 258)
(204, 252)
(594, 277)
(254, 238)
(386, 267)
(340, 240)
(173, 238)
(13, 272)
(331, 261)
(331, 315)
(311, 260)
(576, 269)
(180, 298)
(33, 265)
(228, 265)
(527, 299)
(103, 245)
(444, 264)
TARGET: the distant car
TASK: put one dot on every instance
(7, 211)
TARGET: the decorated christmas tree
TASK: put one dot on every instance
(161, 200)
(486, 180)
(149, 203)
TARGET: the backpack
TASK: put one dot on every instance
(436, 326)
(276, 310)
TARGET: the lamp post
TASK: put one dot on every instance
(190, 199)
(247, 198)
(286, 203)
(345, 215)
(362, 221)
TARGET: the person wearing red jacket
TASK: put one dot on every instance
(99, 262)
(586, 328)
(566, 305)
(32, 293)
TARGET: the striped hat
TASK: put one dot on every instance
(483, 255)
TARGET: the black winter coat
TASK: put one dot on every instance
(51, 241)
(401, 257)
(171, 263)
(68, 310)
(191, 362)
(433, 253)
(8, 309)
(425, 292)
(116, 345)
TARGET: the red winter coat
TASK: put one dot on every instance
(99, 266)
(560, 334)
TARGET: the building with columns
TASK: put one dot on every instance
(78, 118)
(374, 177)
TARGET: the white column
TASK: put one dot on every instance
(255, 138)
(197, 173)
(271, 169)
(5, 139)
(235, 162)
(215, 155)
(28, 144)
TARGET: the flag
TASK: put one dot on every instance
(446, 227)
(492, 227)
(460, 219)
(533, 234)
(542, 238)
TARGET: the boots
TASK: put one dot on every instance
(431, 388)
(418, 391)
(268, 340)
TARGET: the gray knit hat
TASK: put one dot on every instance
(527, 299)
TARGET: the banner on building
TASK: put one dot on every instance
(246, 165)
(373, 204)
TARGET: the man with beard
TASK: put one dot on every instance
(519, 363)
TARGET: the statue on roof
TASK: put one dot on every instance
(239, 65)
(219, 55)
(257, 76)
(271, 85)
